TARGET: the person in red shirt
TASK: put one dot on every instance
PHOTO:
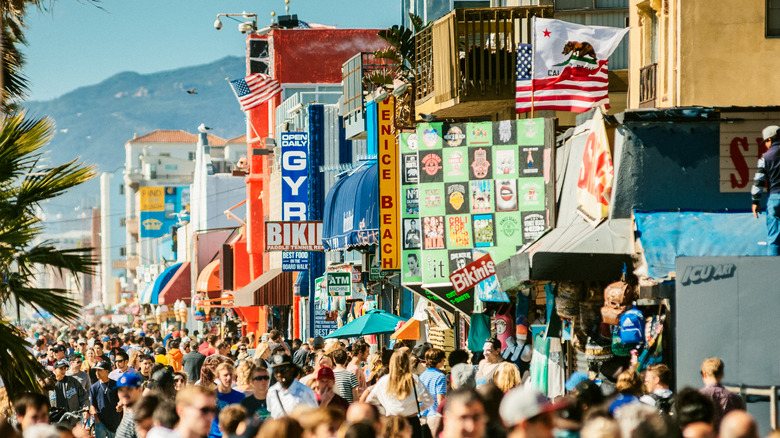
(208, 348)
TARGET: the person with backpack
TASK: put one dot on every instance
(658, 378)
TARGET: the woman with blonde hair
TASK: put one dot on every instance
(401, 392)
(134, 361)
(507, 376)
(629, 382)
(244, 374)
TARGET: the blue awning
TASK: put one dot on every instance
(301, 286)
(161, 281)
(351, 214)
(666, 236)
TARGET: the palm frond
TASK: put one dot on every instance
(20, 370)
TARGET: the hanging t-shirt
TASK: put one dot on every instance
(505, 327)
(479, 331)
(539, 363)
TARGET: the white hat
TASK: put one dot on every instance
(523, 403)
(770, 132)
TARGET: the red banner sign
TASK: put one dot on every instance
(469, 276)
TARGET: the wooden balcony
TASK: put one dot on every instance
(465, 61)
(648, 83)
(355, 73)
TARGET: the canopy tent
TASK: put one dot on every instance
(374, 322)
(409, 331)
(179, 287)
(273, 288)
(208, 280)
(160, 282)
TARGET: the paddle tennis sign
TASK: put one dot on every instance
(339, 284)
(470, 275)
(293, 236)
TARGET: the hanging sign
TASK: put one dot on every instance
(339, 284)
(295, 171)
(389, 189)
(471, 275)
(293, 236)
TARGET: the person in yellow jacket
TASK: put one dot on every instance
(174, 355)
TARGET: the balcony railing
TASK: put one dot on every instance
(647, 86)
(355, 73)
(132, 226)
(471, 54)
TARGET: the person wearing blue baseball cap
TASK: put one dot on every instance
(129, 390)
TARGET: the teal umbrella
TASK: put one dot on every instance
(373, 322)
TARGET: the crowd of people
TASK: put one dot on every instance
(111, 383)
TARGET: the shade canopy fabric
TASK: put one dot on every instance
(273, 288)
(409, 331)
(161, 281)
(668, 235)
(145, 297)
(374, 322)
(179, 287)
(208, 280)
(351, 211)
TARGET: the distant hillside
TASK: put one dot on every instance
(94, 122)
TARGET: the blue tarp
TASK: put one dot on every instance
(161, 281)
(351, 214)
(665, 236)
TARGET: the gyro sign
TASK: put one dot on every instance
(293, 236)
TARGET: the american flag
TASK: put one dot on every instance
(255, 89)
(575, 89)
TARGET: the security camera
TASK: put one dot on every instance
(217, 24)
(246, 27)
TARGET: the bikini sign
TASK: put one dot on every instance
(473, 273)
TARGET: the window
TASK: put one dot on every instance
(773, 18)
(122, 251)
(122, 222)
(165, 154)
(121, 189)
(191, 156)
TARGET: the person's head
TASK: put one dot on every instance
(322, 423)
(175, 343)
(325, 380)
(507, 376)
(600, 427)
(434, 358)
(230, 417)
(59, 352)
(412, 262)
(360, 430)
(102, 369)
(145, 363)
(340, 357)
(361, 412)
(701, 429)
(196, 407)
(129, 388)
(98, 348)
(396, 426)
(284, 369)
(75, 361)
(179, 380)
(770, 133)
(360, 350)
(284, 427)
(244, 373)
(462, 376)
(526, 411)
(223, 348)
(457, 356)
(225, 376)
(60, 368)
(318, 343)
(629, 382)
(165, 415)
(260, 381)
(120, 360)
(492, 349)
(712, 370)
(323, 360)
(212, 340)
(657, 376)
(657, 426)
(691, 406)
(400, 383)
(464, 414)
(31, 408)
(275, 336)
(143, 411)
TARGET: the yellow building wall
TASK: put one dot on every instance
(709, 53)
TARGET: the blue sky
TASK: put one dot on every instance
(76, 43)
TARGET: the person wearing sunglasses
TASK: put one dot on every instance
(287, 392)
(255, 404)
(197, 408)
(121, 361)
(179, 380)
(76, 361)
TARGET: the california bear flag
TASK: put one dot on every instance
(569, 67)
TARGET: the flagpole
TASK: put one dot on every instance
(249, 122)
(533, 47)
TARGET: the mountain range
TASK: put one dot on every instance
(94, 122)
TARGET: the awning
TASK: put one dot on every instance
(208, 280)
(409, 331)
(666, 236)
(351, 211)
(145, 297)
(179, 287)
(301, 288)
(273, 288)
(161, 281)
